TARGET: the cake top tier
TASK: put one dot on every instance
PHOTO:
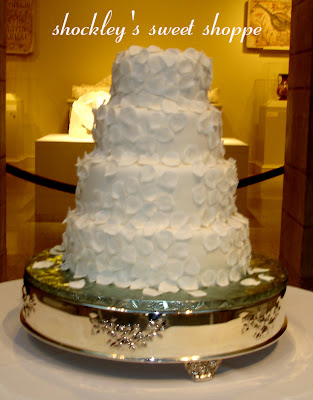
(140, 76)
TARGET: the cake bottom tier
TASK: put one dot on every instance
(157, 261)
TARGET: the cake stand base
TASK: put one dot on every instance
(124, 325)
(202, 371)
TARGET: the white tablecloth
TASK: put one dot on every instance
(32, 370)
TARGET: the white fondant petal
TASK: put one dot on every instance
(180, 250)
(222, 278)
(111, 168)
(77, 284)
(191, 155)
(168, 287)
(250, 282)
(132, 185)
(168, 180)
(56, 250)
(198, 168)
(144, 246)
(184, 233)
(266, 278)
(165, 202)
(188, 283)
(105, 278)
(199, 194)
(42, 264)
(177, 122)
(235, 274)
(197, 293)
(178, 219)
(192, 266)
(118, 191)
(150, 292)
(133, 204)
(208, 278)
(211, 242)
(138, 284)
(157, 259)
(175, 270)
(164, 239)
(171, 159)
(169, 106)
(149, 191)
(147, 173)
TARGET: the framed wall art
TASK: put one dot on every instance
(274, 18)
(20, 16)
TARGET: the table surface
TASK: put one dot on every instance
(32, 370)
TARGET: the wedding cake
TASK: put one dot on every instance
(155, 200)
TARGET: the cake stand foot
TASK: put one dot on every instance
(202, 371)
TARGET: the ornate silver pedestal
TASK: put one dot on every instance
(124, 325)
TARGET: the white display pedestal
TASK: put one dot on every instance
(56, 157)
(271, 135)
(239, 151)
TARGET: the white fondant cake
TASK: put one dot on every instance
(155, 200)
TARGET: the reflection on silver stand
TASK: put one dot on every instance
(124, 325)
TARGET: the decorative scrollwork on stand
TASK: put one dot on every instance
(261, 322)
(126, 335)
(29, 303)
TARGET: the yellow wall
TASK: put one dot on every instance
(43, 80)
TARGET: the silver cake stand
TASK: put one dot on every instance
(124, 325)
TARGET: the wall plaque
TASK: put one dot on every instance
(20, 26)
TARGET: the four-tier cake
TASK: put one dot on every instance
(155, 200)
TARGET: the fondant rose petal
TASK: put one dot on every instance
(42, 264)
(168, 287)
(56, 250)
(222, 278)
(171, 159)
(250, 282)
(191, 155)
(177, 122)
(150, 292)
(192, 266)
(169, 180)
(165, 239)
(175, 270)
(165, 202)
(199, 194)
(118, 191)
(111, 168)
(188, 283)
(198, 168)
(178, 219)
(211, 242)
(147, 173)
(132, 185)
(77, 284)
(266, 278)
(169, 106)
(208, 278)
(197, 293)
(144, 246)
